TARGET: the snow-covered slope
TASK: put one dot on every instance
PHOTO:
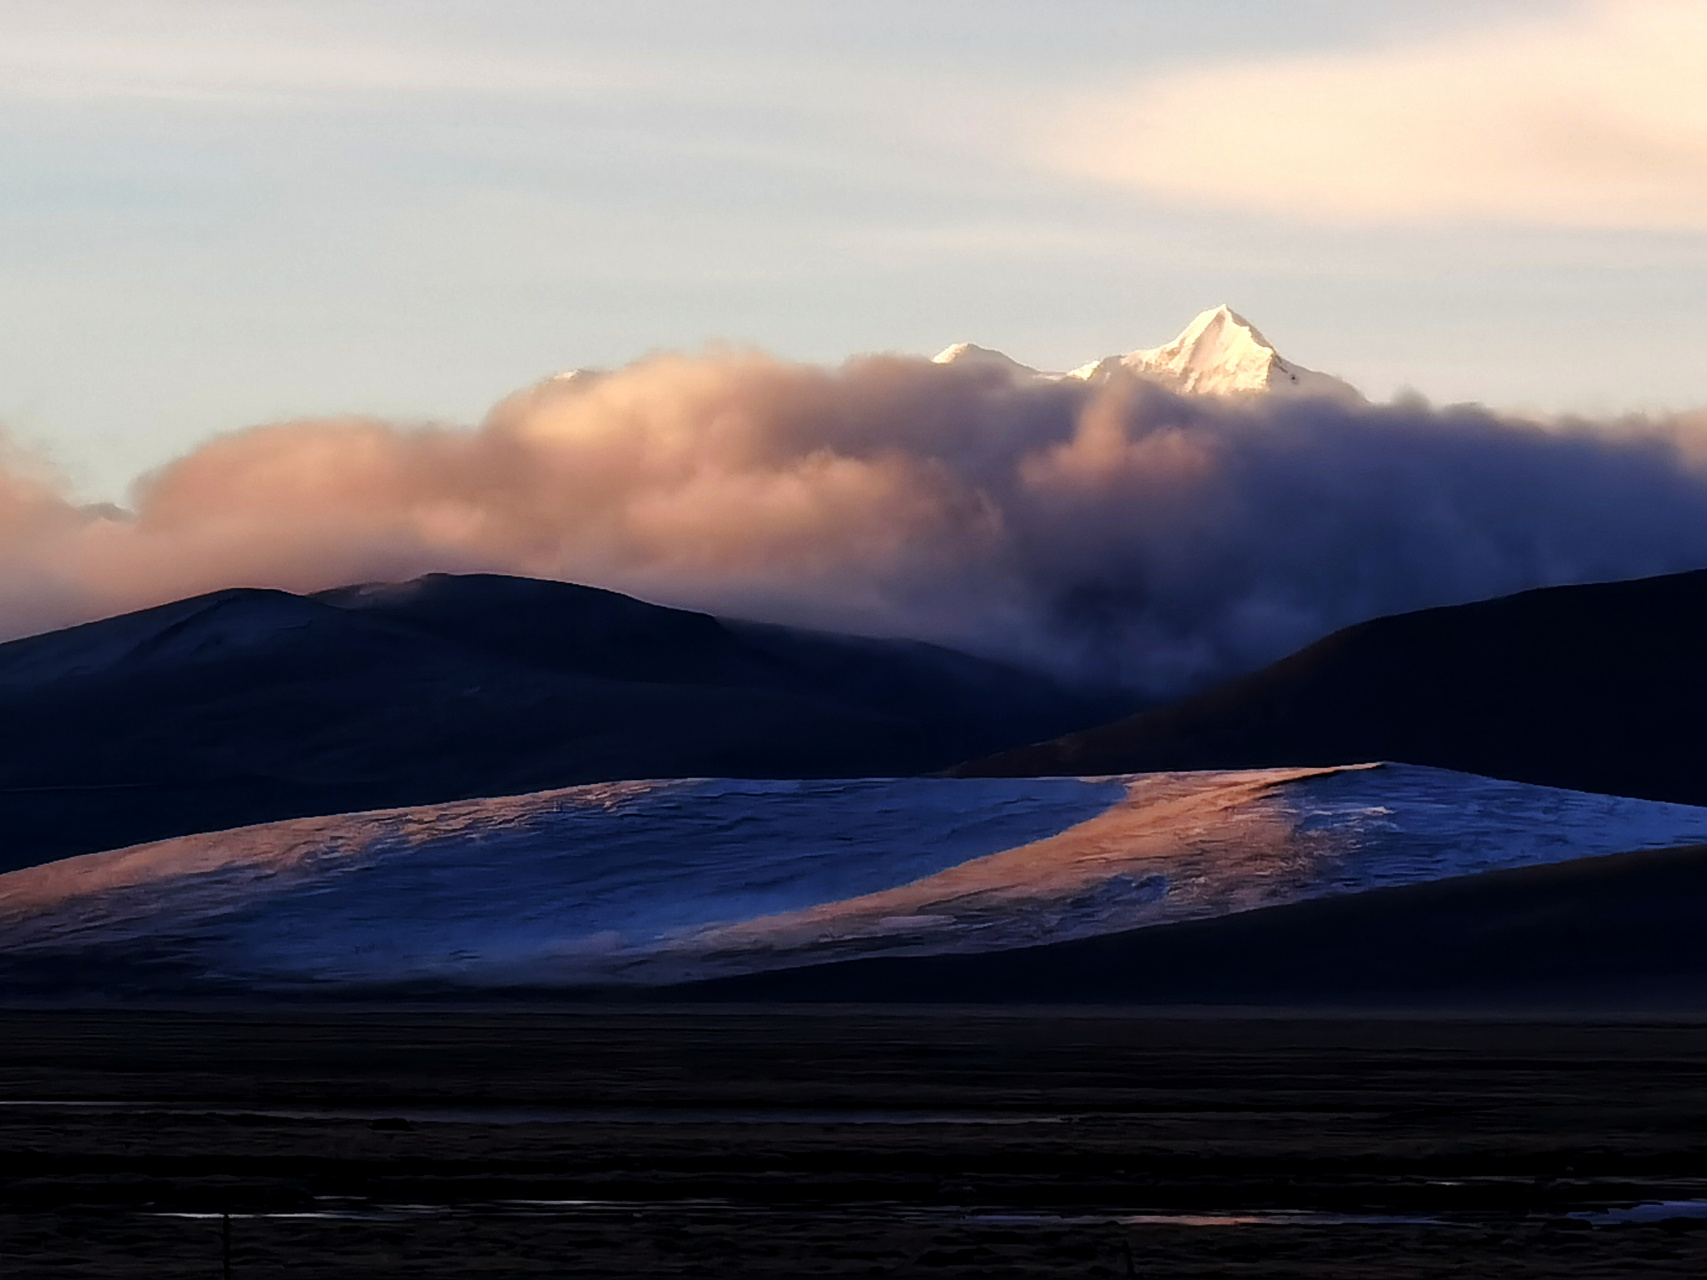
(1219, 353)
(649, 882)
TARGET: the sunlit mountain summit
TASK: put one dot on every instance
(972, 353)
(1219, 353)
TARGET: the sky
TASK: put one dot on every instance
(215, 216)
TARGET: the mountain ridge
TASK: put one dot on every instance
(1219, 353)
(1596, 687)
(250, 705)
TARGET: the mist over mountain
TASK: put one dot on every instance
(1162, 519)
(244, 706)
(1596, 688)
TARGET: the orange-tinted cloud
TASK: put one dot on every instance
(1113, 531)
(1588, 117)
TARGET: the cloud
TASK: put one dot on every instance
(1593, 118)
(1113, 532)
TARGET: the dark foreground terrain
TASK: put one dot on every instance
(847, 1142)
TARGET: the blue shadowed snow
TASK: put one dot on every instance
(660, 881)
(587, 871)
(1404, 823)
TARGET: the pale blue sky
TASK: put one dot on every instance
(213, 215)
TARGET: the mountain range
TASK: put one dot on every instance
(391, 742)
(246, 706)
(1218, 353)
(483, 784)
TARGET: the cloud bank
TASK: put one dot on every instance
(1592, 118)
(1110, 532)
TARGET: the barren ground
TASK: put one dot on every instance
(845, 1142)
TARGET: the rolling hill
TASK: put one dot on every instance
(1618, 932)
(247, 706)
(625, 888)
(1595, 688)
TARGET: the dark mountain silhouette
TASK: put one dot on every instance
(1619, 932)
(247, 705)
(1596, 688)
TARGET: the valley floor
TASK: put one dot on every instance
(847, 1142)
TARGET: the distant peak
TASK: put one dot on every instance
(972, 353)
(1215, 341)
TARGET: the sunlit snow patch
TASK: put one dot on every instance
(651, 882)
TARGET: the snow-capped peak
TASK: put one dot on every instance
(972, 353)
(1220, 353)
